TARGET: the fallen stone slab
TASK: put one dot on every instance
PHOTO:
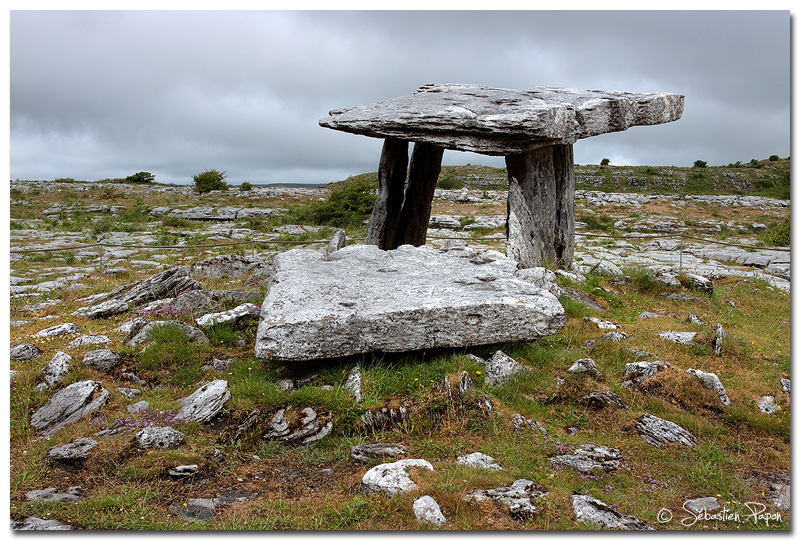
(38, 524)
(516, 499)
(236, 316)
(600, 400)
(303, 426)
(589, 509)
(72, 494)
(365, 299)
(363, 452)
(102, 359)
(69, 405)
(478, 460)
(73, 451)
(158, 437)
(59, 330)
(205, 403)
(143, 336)
(711, 382)
(658, 432)
(24, 352)
(56, 369)
(588, 457)
(427, 511)
(391, 478)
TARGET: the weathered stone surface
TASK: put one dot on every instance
(226, 266)
(711, 381)
(517, 498)
(588, 457)
(681, 338)
(102, 359)
(767, 405)
(601, 324)
(521, 422)
(588, 508)
(499, 121)
(636, 372)
(159, 437)
(700, 283)
(337, 242)
(195, 509)
(72, 451)
(138, 407)
(541, 277)
(583, 298)
(183, 471)
(69, 405)
(648, 315)
(205, 403)
(363, 452)
(236, 316)
(365, 299)
(299, 427)
(143, 336)
(600, 400)
(586, 365)
(59, 330)
(702, 504)
(56, 369)
(478, 460)
(427, 511)
(38, 524)
(786, 385)
(500, 368)
(391, 478)
(658, 432)
(72, 494)
(354, 383)
(82, 341)
(718, 340)
(24, 352)
(387, 417)
(694, 319)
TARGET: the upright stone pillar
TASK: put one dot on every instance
(391, 184)
(426, 163)
(541, 212)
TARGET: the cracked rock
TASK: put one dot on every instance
(517, 498)
(205, 403)
(69, 405)
(478, 460)
(658, 432)
(24, 352)
(589, 509)
(56, 369)
(588, 457)
(301, 427)
(391, 478)
(363, 452)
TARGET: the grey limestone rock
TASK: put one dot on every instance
(143, 336)
(589, 509)
(517, 499)
(69, 405)
(56, 369)
(601, 324)
(588, 457)
(681, 338)
(363, 452)
(129, 393)
(226, 266)
(702, 504)
(648, 315)
(235, 316)
(694, 319)
(700, 283)
(83, 341)
(365, 299)
(498, 121)
(718, 340)
(158, 437)
(205, 403)
(138, 407)
(586, 365)
(658, 432)
(767, 405)
(391, 478)
(478, 460)
(521, 422)
(601, 400)
(387, 417)
(636, 372)
(195, 509)
(24, 352)
(427, 511)
(541, 277)
(72, 494)
(336, 243)
(786, 385)
(59, 330)
(299, 427)
(500, 368)
(102, 359)
(183, 471)
(38, 524)
(354, 383)
(711, 381)
(72, 451)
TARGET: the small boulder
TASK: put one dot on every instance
(702, 504)
(586, 365)
(658, 432)
(138, 407)
(589, 509)
(700, 283)
(768, 405)
(354, 384)
(786, 385)
(82, 341)
(427, 511)
(711, 382)
(299, 427)
(73, 451)
(694, 319)
(363, 452)
(648, 315)
(681, 338)
(588, 457)
(636, 372)
(391, 478)
(143, 336)
(205, 403)
(38, 524)
(521, 422)
(69, 405)
(601, 324)
(337, 242)
(183, 471)
(236, 316)
(72, 494)
(158, 437)
(478, 460)
(24, 352)
(59, 330)
(517, 498)
(102, 359)
(601, 400)
(56, 369)
(500, 368)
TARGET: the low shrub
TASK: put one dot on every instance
(449, 182)
(778, 234)
(209, 180)
(142, 177)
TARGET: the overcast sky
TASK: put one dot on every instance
(105, 94)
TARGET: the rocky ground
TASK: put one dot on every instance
(138, 402)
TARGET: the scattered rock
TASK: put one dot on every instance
(159, 437)
(82, 341)
(588, 457)
(197, 509)
(711, 382)
(236, 316)
(427, 511)
(138, 407)
(69, 405)
(72, 494)
(694, 319)
(249, 422)
(73, 452)
(583, 298)
(521, 422)
(24, 352)
(478, 460)
(300, 427)
(681, 338)
(59, 330)
(701, 505)
(130, 393)
(700, 283)
(362, 453)
(636, 372)
(336, 243)
(102, 359)
(681, 297)
(589, 509)
(354, 384)
(586, 365)
(500, 368)
(768, 405)
(648, 315)
(611, 336)
(387, 417)
(183, 471)
(600, 400)
(143, 336)
(786, 385)
(205, 403)
(39, 524)
(56, 369)
(391, 478)
(718, 340)
(517, 498)
(658, 432)
(601, 324)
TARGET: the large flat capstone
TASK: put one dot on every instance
(364, 299)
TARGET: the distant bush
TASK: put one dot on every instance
(347, 204)
(245, 186)
(596, 222)
(449, 182)
(209, 180)
(778, 234)
(773, 157)
(699, 164)
(605, 161)
(64, 180)
(142, 177)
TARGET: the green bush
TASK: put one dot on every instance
(699, 164)
(778, 234)
(64, 180)
(245, 186)
(142, 177)
(774, 157)
(209, 180)
(605, 161)
(347, 204)
(596, 222)
(449, 182)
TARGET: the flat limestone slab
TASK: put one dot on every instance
(500, 121)
(364, 299)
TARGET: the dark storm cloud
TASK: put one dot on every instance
(106, 94)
